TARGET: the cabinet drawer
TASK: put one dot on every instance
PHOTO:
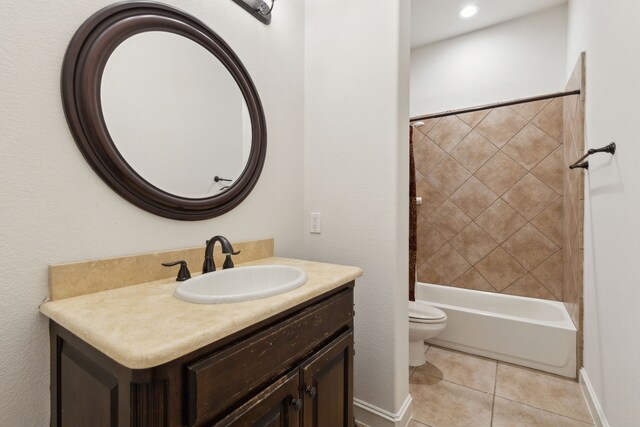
(232, 375)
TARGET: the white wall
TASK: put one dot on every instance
(356, 174)
(516, 59)
(609, 33)
(55, 209)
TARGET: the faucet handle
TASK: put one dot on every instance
(228, 262)
(183, 273)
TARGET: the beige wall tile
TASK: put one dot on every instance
(449, 132)
(448, 219)
(549, 273)
(530, 146)
(500, 269)
(448, 263)
(448, 176)
(417, 136)
(530, 196)
(474, 118)
(473, 243)
(529, 247)
(573, 224)
(432, 199)
(545, 391)
(426, 274)
(472, 279)
(549, 222)
(528, 110)
(473, 197)
(528, 286)
(500, 126)
(473, 151)
(575, 311)
(550, 119)
(551, 169)
(500, 173)
(428, 125)
(477, 197)
(427, 156)
(500, 221)
(429, 240)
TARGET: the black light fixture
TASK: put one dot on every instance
(260, 9)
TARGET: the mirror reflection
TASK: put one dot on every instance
(191, 135)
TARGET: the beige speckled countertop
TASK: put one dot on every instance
(142, 326)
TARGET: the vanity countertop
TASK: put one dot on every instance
(145, 325)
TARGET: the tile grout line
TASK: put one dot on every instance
(540, 281)
(543, 159)
(547, 411)
(500, 149)
(494, 394)
(461, 385)
(532, 406)
(495, 385)
(520, 180)
(559, 198)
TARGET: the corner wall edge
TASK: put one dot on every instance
(592, 400)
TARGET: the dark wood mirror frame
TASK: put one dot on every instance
(82, 70)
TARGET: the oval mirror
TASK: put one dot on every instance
(164, 111)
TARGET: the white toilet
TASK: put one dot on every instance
(425, 321)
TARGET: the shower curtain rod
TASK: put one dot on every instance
(497, 104)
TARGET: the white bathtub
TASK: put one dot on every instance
(525, 331)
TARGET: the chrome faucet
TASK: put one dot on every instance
(227, 249)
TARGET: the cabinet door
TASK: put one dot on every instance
(278, 405)
(328, 385)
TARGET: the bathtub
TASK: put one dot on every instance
(524, 331)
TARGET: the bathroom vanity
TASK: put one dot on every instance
(285, 360)
(124, 350)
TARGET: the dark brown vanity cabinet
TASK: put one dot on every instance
(318, 393)
(293, 369)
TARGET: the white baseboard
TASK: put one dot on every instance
(592, 400)
(372, 416)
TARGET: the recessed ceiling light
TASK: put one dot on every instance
(468, 11)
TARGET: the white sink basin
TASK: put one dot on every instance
(241, 284)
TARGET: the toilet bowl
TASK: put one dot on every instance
(425, 321)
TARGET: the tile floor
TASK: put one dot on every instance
(457, 389)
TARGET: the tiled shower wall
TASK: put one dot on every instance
(574, 202)
(491, 182)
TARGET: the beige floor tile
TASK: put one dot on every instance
(414, 423)
(460, 368)
(541, 390)
(512, 414)
(440, 403)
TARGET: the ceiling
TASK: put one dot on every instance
(433, 20)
